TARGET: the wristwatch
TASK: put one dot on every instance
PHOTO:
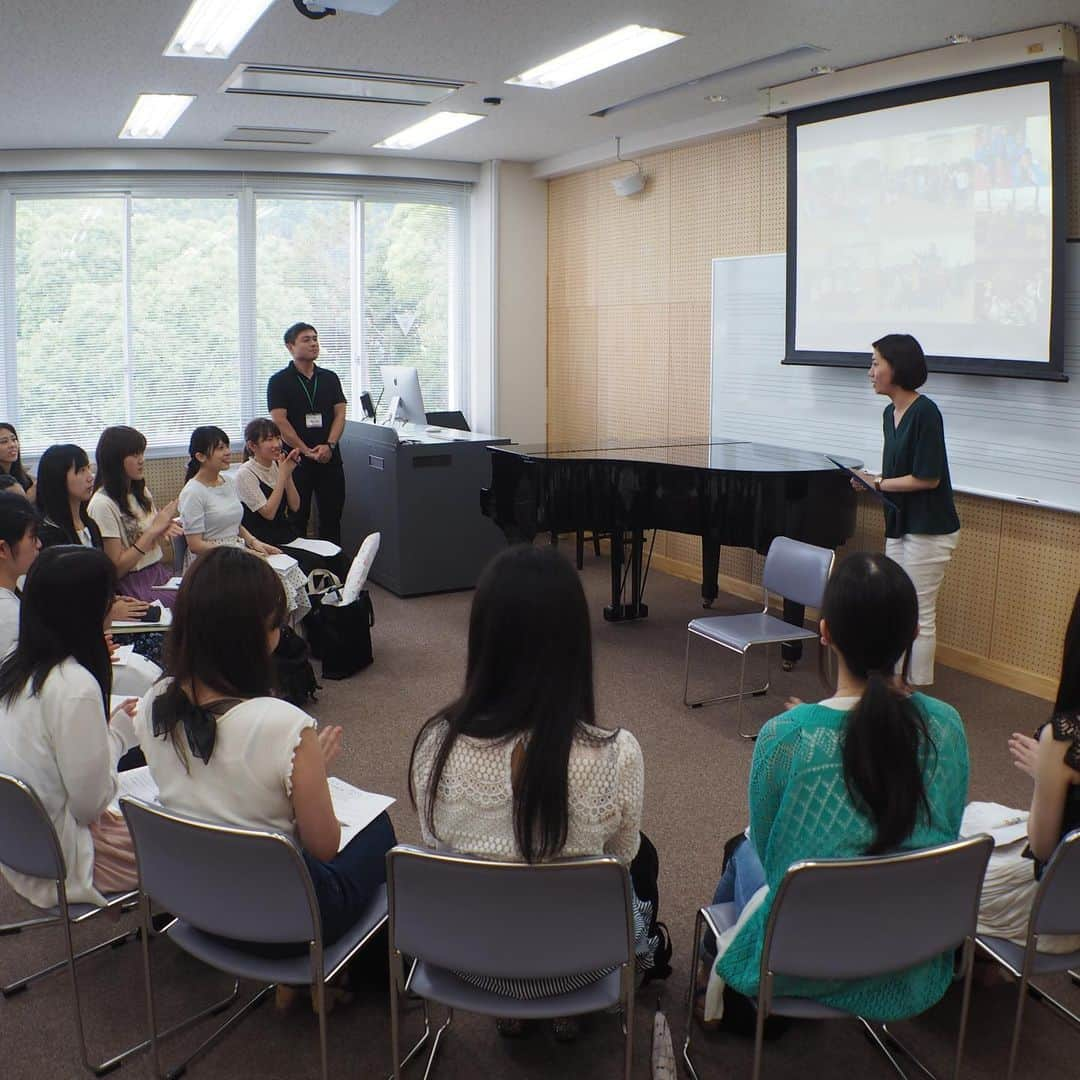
(332, 445)
(877, 483)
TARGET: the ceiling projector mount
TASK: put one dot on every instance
(633, 183)
(313, 9)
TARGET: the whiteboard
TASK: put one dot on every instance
(1014, 439)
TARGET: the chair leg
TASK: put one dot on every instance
(969, 957)
(695, 963)
(1014, 1047)
(759, 1036)
(721, 697)
(876, 1039)
(19, 985)
(628, 1023)
(435, 1044)
(398, 985)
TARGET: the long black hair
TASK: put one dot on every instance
(51, 493)
(872, 615)
(204, 440)
(18, 516)
(1068, 695)
(227, 604)
(529, 672)
(115, 444)
(17, 469)
(67, 596)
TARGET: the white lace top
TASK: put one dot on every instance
(474, 809)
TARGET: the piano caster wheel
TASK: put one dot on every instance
(708, 603)
(787, 665)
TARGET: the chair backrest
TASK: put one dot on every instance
(853, 918)
(510, 920)
(797, 571)
(28, 842)
(179, 547)
(1056, 908)
(237, 883)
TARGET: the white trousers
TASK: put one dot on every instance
(925, 559)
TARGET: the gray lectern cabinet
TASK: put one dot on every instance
(420, 488)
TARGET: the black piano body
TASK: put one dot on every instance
(742, 494)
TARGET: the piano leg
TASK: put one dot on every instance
(617, 611)
(710, 570)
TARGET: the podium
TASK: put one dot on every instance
(419, 486)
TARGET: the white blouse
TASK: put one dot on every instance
(248, 779)
(114, 524)
(474, 809)
(63, 745)
(9, 620)
(215, 512)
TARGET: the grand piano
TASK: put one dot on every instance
(726, 491)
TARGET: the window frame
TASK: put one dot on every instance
(246, 188)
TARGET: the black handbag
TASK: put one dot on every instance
(340, 635)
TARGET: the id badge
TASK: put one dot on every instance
(313, 420)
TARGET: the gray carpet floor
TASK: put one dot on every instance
(696, 769)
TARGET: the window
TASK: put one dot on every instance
(161, 302)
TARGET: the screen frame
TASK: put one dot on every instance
(1049, 71)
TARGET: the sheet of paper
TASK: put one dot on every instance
(281, 563)
(122, 654)
(138, 783)
(316, 547)
(1004, 823)
(172, 584)
(355, 808)
(137, 626)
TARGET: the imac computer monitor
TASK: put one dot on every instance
(403, 384)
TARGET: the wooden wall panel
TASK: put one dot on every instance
(632, 372)
(774, 189)
(571, 391)
(688, 370)
(715, 200)
(967, 598)
(165, 478)
(1038, 576)
(633, 257)
(572, 237)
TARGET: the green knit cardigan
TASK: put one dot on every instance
(800, 808)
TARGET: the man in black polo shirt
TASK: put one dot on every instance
(308, 405)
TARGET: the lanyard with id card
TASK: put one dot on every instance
(312, 420)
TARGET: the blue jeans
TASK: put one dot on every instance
(742, 877)
(344, 885)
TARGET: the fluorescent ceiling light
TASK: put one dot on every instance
(337, 85)
(602, 53)
(154, 115)
(213, 28)
(434, 127)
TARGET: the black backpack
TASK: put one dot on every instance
(293, 673)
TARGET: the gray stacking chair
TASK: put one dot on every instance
(857, 918)
(29, 845)
(245, 884)
(508, 920)
(797, 572)
(1055, 910)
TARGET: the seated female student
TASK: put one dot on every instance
(1052, 760)
(132, 528)
(516, 768)
(271, 501)
(11, 459)
(222, 749)
(212, 513)
(56, 733)
(19, 546)
(63, 489)
(868, 771)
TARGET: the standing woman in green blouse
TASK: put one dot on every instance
(921, 526)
